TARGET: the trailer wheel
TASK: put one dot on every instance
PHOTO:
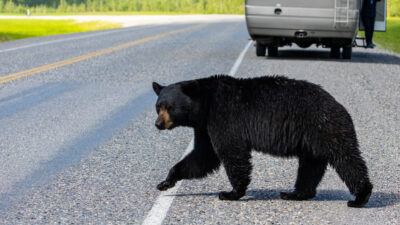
(347, 50)
(272, 51)
(260, 49)
(335, 52)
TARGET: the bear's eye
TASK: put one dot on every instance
(168, 106)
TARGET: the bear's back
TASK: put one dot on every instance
(274, 109)
(270, 90)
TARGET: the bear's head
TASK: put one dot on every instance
(178, 104)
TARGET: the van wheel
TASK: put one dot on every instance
(260, 49)
(335, 52)
(272, 51)
(347, 50)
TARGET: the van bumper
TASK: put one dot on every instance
(288, 26)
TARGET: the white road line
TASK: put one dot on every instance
(239, 60)
(161, 206)
(73, 38)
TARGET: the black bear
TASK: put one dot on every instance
(273, 114)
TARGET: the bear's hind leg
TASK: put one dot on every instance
(353, 171)
(309, 174)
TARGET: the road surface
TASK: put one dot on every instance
(78, 142)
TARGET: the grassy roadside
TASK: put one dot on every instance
(11, 29)
(101, 13)
(391, 38)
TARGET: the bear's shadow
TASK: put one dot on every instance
(324, 55)
(377, 200)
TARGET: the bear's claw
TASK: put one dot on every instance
(360, 201)
(165, 185)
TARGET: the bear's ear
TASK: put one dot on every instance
(157, 88)
(192, 89)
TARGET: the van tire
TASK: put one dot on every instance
(347, 51)
(335, 52)
(260, 49)
(272, 51)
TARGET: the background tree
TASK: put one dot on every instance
(181, 6)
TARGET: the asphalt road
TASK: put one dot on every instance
(78, 142)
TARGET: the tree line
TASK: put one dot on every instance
(77, 6)
(179, 6)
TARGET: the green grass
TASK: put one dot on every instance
(101, 13)
(11, 29)
(391, 38)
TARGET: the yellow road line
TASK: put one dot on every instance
(65, 62)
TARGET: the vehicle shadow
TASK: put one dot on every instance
(377, 200)
(324, 55)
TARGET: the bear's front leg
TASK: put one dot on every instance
(238, 169)
(198, 164)
(170, 182)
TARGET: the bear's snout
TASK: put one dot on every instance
(160, 124)
(163, 121)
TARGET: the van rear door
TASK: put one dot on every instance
(303, 14)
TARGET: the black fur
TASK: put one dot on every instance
(276, 115)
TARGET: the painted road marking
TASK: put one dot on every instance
(163, 202)
(239, 60)
(36, 70)
(160, 208)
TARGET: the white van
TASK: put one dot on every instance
(328, 23)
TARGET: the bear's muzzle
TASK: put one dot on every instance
(163, 121)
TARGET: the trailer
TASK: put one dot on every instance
(328, 23)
